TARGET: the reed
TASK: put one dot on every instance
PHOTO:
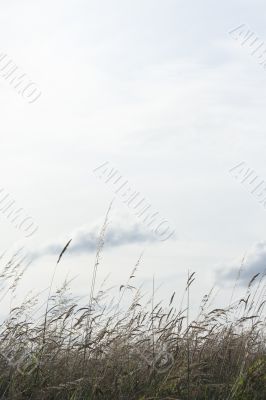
(142, 351)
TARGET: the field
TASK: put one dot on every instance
(105, 350)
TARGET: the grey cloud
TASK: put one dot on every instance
(254, 262)
(85, 240)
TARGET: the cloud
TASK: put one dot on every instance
(254, 262)
(120, 231)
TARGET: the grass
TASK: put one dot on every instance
(105, 350)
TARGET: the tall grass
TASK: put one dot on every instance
(105, 350)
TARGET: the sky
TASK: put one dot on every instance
(164, 94)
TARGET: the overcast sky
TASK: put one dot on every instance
(161, 91)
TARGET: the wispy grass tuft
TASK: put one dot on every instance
(107, 350)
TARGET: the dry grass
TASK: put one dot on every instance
(144, 351)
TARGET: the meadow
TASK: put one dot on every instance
(142, 351)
